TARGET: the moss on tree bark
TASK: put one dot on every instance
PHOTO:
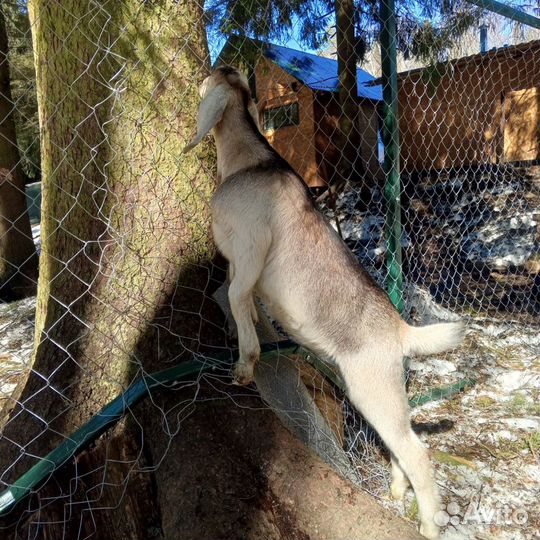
(124, 229)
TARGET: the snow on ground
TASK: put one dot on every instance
(36, 234)
(487, 463)
(498, 226)
(16, 343)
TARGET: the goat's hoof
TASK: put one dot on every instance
(243, 374)
(429, 530)
(398, 490)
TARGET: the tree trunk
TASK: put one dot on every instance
(124, 288)
(18, 258)
(124, 229)
(350, 166)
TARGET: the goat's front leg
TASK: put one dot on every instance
(246, 273)
(253, 308)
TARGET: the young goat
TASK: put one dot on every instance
(280, 248)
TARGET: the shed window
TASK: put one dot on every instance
(278, 117)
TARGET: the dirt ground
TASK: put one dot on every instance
(235, 472)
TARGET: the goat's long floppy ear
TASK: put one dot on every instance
(210, 112)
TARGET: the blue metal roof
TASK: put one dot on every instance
(319, 73)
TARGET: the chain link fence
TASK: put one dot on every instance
(97, 100)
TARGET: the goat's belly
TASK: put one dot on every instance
(299, 329)
(290, 309)
(288, 313)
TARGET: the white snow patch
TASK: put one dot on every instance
(427, 310)
(503, 241)
(433, 365)
(514, 380)
(36, 235)
(503, 434)
(523, 423)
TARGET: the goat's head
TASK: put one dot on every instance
(225, 87)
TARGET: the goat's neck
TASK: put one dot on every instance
(238, 147)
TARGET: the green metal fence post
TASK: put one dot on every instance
(391, 151)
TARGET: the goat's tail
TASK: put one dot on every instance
(432, 339)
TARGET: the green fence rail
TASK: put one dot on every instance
(507, 11)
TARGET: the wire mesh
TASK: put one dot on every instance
(97, 100)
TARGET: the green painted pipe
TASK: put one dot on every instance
(391, 152)
(441, 392)
(111, 414)
(39, 474)
(507, 11)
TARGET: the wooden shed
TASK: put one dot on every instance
(297, 97)
(478, 109)
(300, 90)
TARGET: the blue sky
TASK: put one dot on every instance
(215, 45)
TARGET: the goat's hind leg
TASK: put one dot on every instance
(400, 482)
(375, 387)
